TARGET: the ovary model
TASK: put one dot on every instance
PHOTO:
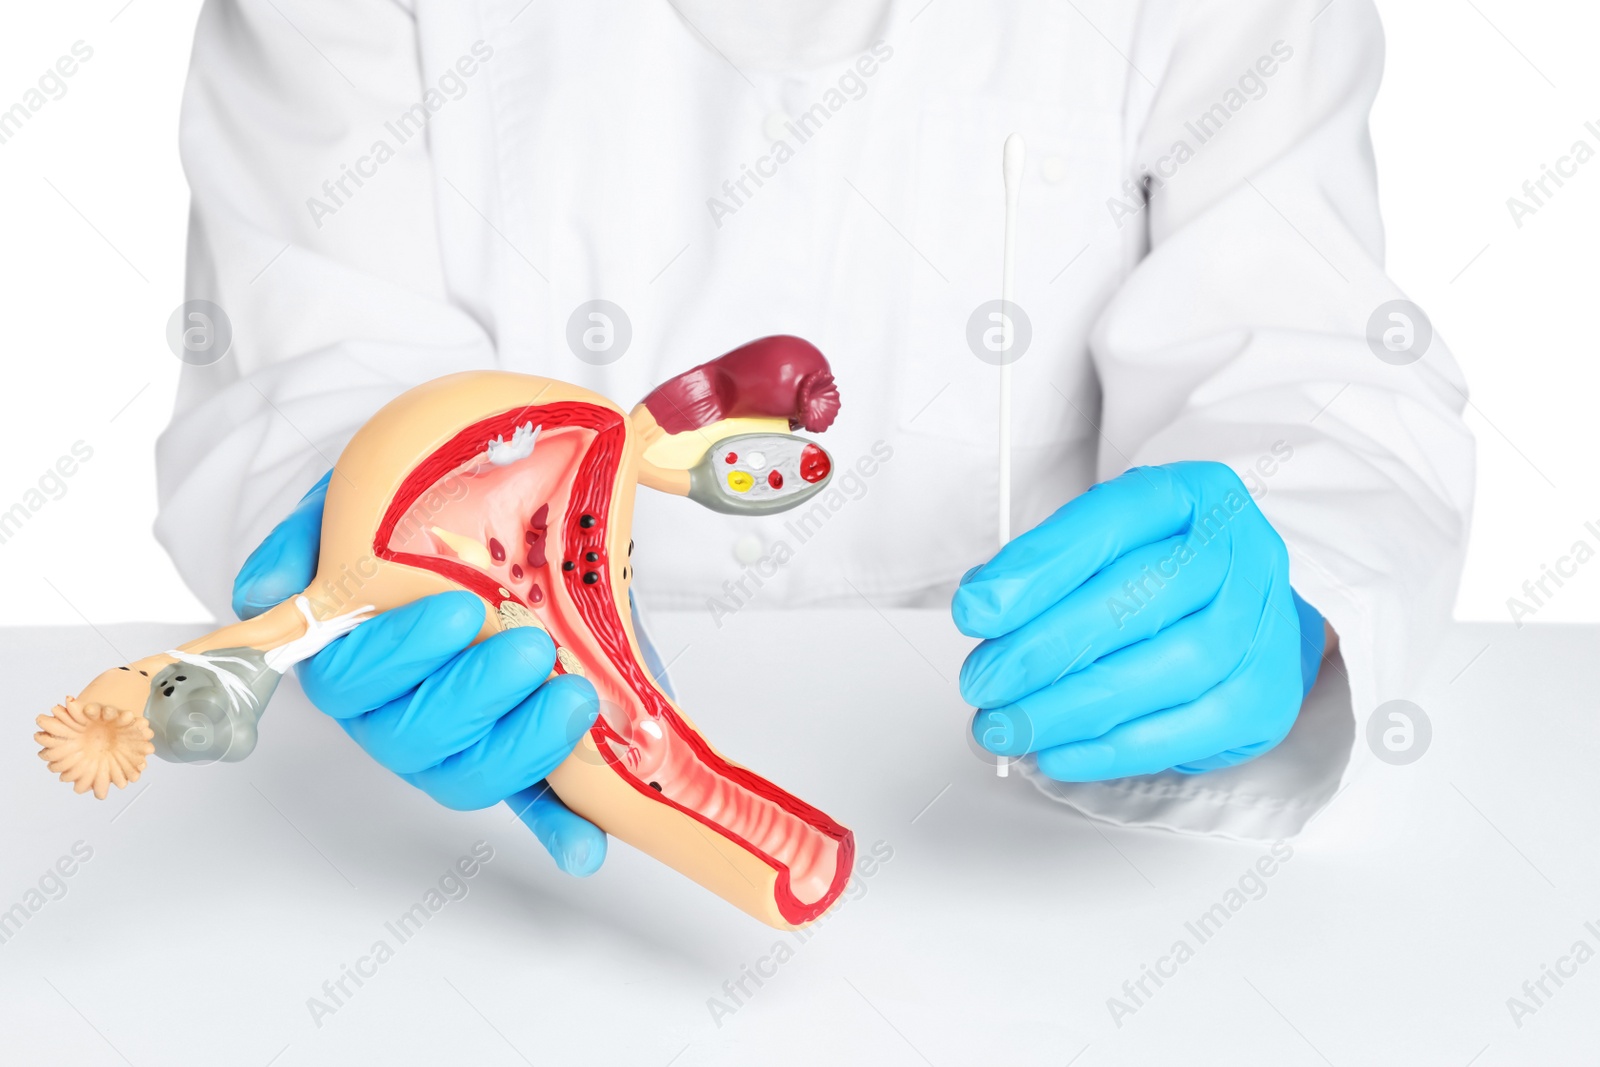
(520, 489)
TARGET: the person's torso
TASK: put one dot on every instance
(617, 152)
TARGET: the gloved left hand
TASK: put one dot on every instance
(1148, 624)
(468, 724)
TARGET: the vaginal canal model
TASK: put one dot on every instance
(520, 489)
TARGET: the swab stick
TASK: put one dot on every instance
(1015, 154)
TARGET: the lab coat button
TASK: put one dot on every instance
(748, 549)
(776, 126)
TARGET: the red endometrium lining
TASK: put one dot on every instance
(534, 515)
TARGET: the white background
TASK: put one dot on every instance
(1479, 95)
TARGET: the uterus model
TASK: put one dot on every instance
(520, 489)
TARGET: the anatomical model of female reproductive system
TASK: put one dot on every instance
(520, 489)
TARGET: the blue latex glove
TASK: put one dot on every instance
(1146, 625)
(469, 726)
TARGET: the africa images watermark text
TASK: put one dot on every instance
(452, 85)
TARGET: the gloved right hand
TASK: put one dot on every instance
(470, 725)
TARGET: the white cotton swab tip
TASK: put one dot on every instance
(1016, 154)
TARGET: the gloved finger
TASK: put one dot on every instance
(284, 563)
(1038, 568)
(577, 845)
(1174, 667)
(1231, 758)
(1313, 641)
(526, 744)
(389, 655)
(1133, 598)
(1255, 706)
(456, 706)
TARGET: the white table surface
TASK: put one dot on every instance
(218, 900)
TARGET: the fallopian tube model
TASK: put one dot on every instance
(520, 489)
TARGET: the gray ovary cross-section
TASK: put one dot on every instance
(756, 457)
(206, 710)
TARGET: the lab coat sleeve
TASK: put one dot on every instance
(322, 250)
(1241, 336)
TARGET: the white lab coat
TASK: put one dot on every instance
(585, 156)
